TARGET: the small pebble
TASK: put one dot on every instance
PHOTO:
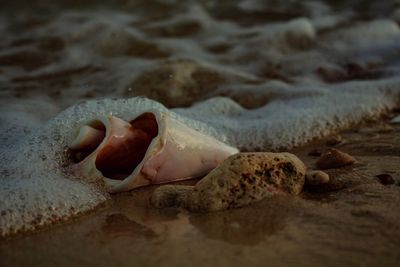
(317, 177)
(334, 158)
(385, 179)
(334, 140)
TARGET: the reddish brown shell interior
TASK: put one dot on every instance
(120, 156)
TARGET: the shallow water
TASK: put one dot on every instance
(257, 75)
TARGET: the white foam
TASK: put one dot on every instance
(370, 33)
(35, 190)
(34, 194)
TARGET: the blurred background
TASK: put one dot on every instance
(58, 53)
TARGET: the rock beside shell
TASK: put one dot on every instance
(334, 158)
(241, 179)
(317, 178)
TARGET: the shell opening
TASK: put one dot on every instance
(125, 147)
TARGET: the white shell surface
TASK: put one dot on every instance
(185, 153)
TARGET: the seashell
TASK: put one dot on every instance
(153, 148)
(240, 180)
(316, 178)
(334, 158)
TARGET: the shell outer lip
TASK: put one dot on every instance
(137, 178)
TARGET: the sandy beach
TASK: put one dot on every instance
(205, 79)
(351, 221)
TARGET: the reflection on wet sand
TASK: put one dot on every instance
(131, 216)
(118, 224)
(247, 225)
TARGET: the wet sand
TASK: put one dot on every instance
(353, 221)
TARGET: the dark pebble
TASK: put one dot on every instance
(385, 179)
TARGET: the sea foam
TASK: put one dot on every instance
(36, 189)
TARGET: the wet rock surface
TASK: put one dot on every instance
(240, 180)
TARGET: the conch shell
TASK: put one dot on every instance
(153, 148)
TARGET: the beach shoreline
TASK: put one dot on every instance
(354, 220)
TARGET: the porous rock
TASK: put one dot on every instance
(241, 179)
